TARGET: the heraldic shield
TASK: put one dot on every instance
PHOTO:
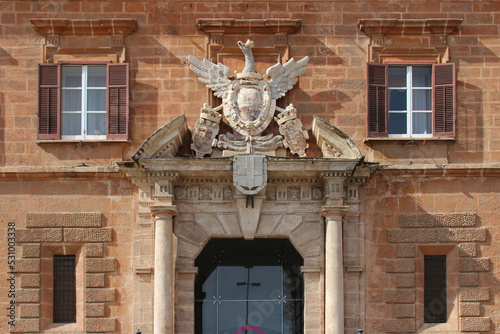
(249, 107)
(250, 173)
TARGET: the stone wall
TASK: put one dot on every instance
(404, 223)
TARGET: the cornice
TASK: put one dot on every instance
(409, 27)
(247, 26)
(60, 172)
(85, 27)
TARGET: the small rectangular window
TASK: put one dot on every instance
(64, 289)
(435, 297)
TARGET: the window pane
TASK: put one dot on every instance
(397, 76)
(265, 315)
(72, 76)
(72, 100)
(435, 289)
(96, 124)
(96, 100)
(397, 99)
(422, 123)
(397, 123)
(206, 317)
(292, 317)
(422, 99)
(421, 76)
(96, 76)
(71, 124)
(64, 289)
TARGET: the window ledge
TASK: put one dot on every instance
(408, 140)
(86, 141)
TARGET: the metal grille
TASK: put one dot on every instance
(435, 289)
(64, 302)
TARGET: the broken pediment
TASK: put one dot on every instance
(164, 142)
(333, 142)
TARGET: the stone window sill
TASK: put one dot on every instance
(408, 141)
(86, 141)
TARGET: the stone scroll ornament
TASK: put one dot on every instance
(249, 104)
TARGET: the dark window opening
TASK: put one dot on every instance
(252, 284)
(435, 310)
(64, 289)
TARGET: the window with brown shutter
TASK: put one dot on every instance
(83, 101)
(411, 100)
(48, 101)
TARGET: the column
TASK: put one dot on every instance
(334, 270)
(164, 269)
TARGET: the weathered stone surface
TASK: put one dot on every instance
(405, 280)
(413, 235)
(467, 250)
(31, 250)
(96, 265)
(460, 219)
(400, 296)
(99, 295)
(400, 266)
(94, 250)
(90, 219)
(28, 266)
(95, 309)
(287, 224)
(461, 234)
(400, 326)
(475, 324)
(405, 311)
(94, 280)
(470, 309)
(29, 310)
(88, 234)
(26, 326)
(28, 296)
(466, 265)
(96, 325)
(39, 235)
(406, 250)
(30, 280)
(468, 280)
(474, 294)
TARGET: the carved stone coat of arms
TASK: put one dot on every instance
(249, 106)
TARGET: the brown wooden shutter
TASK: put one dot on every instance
(377, 100)
(118, 96)
(49, 101)
(444, 100)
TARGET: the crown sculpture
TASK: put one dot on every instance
(249, 105)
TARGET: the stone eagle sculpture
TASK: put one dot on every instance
(249, 104)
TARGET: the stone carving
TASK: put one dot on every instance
(250, 173)
(291, 129)
(205, 130)
(249, 104)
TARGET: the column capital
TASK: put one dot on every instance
(163, 211)
(334, 212)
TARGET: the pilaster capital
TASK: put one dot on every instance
(163, 211)
(334, 212)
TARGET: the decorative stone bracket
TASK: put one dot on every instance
(53, 29)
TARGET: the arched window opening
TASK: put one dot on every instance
(249, 287)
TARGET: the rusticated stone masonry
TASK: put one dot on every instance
(78, 234)
(437, 234)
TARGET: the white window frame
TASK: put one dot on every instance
(83, 110)
(409, 103)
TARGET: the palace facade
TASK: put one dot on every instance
(238, 167)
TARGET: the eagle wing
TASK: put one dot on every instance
(215, 77)
(283, 77)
